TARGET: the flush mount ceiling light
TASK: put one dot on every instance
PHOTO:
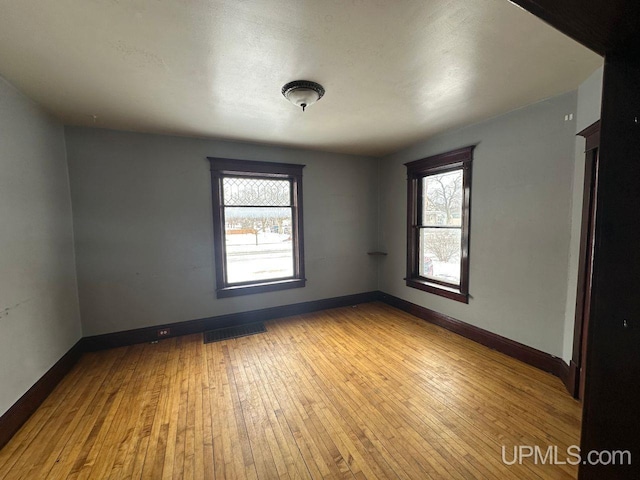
(303, 93)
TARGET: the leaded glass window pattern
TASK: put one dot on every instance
(242, 191)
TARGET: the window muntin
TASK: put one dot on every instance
(438, 224)
(257, 226)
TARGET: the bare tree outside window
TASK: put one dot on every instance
(442, 219)
(443, 194)
(443, 245)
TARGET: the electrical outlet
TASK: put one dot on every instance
(164, 332)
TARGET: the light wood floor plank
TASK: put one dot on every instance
(11, 454)
(147, 399)
(367, 392)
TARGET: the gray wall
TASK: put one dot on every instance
(588, 112)
(39, 314)
(589, 100)
(143, 226)
(520, 222)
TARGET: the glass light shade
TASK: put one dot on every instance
(303, 96)
(303, 93)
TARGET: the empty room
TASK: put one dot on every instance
(319, 239)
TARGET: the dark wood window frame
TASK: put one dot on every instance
(224, 167)
(454, 160)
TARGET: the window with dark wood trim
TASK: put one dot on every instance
(257, 226)
(438, 210)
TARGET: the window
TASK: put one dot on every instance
(438, 201)
(257, 226)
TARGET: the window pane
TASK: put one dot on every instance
(442, 199)
(256, 191)
(440, 254)
(258, 243)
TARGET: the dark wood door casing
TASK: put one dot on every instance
(610, 415)
(585, 264)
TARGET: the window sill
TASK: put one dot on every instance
(270, 286)
(451, 293)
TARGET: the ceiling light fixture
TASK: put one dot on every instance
(303, 93)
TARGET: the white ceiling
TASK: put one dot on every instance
(395, 71)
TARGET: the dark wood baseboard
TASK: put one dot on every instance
(149, 334)
(564, 373)
(573, 380)
(536, 358)
(15, 417)
(20, 412)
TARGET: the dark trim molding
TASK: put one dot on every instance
(585, 258)
(149, 334)
(564, 373)
(417, 170)
(602, 26)
(610, 419)
(536, 358)
(573, 379)
(223, 167)
(591, 135)
(20, 411)
(269, 286)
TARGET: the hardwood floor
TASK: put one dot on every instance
(360, 392)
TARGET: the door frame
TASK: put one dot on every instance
(585, 262)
